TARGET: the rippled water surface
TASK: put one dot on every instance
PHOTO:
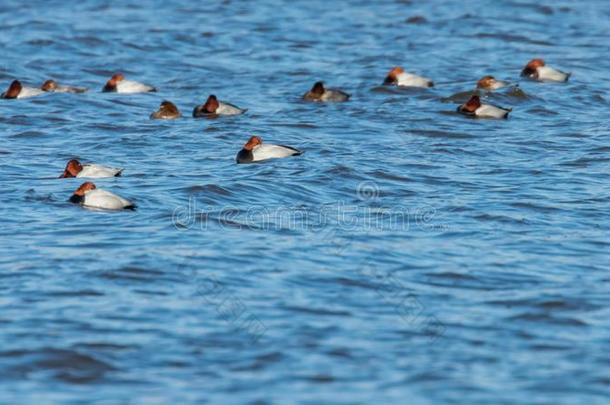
(410, 255)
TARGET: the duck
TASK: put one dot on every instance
(319, 93)
(51, 86)
(398, 77)
(88, 195)
(167, 111)
(255, 151)
(490, 83)
(474, 108)
(118, 84)
(213, 107)
(75, 169)
(17, 90)
(536, 69)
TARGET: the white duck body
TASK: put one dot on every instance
(265, 152)
(130, 87)
(491, 111)
(69, 89)
(103, 199)
(27, 92)
(410, 80)
(228, 109)
(270, 151)
(98, 171)
(546, 73)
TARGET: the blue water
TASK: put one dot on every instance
(411, 255)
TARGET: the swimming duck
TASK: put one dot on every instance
(398, 77)
(474, 108)
(319, 93)
(536, 69)
(490, 83)
(75, 169)
(118, 84)
(51, 86)
(88, 195)
(17, 90)
(213, 107)
(167, 111)
(255, 151)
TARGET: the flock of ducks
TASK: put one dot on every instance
(88, 195)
